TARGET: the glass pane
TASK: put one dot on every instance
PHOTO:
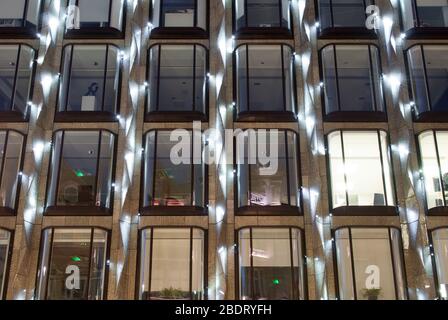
(175, 13)
(5, 237)
(244, 263)
(202, 15)
(387, 167)
(330, 80)
(436, 63)
(43, 271)
(288, 71)
(407, 14)
(94, 13)
(241, 78)
(344, 260)
(442, 145)
(8, 65)
(433, 13)
(338, 184)
(154, 57)
(150, 156)
(264, 13)
(292, 173)
(440, 245)
(98, 264)
(112, 81)
(33, 13)
(200, 80)
(55, 157)
(23, 81)
(299, 264)
(10, 170)
(244, 163)
(145, 261)
(349, 13)
(397, 252)
(103, 191)
(12, 13)
(198, 265)
(418, 79)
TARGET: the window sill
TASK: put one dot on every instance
(356, 116)
(263, 33)
(85, 116)
(347, 33)
(175, 116)
(18, 32)
(12, 116)
(178, 33)
(94, 33)
(174, 211)
(438, 211)
(266, 116)
(427, 33)
(369, 211)
(431, 116)
(7, 212)
(282, 210)
(77, 211)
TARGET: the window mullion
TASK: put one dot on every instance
(425, 74)
(383, 174)
(13, 92)
(352, 260)
(106, 62)
(59, 164)
(50, 257)
(5, 148)
(344, 168)
(392, 259)
(92, 231)
(442, 187)
(95, 189)
(154, 168)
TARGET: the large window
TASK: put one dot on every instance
(343, 14)
(266, 186)
(81, 172)
(428, 73)
(11, 149)
(352, 86)
(434, 161)
(264, 82)
(73, 264)
(370, 264)
(20, 14)
(173, 264)
(262, 15)
(271, 264)
(5, 250)
(173, 184)
(432, 14)
(90, 83)
(439, 238)
(177, 17)
(178, 86)
(16, 65)
(96, 16)
(361, 173)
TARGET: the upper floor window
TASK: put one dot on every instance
(268, 185)
(11, 150)
(17, 64)
(419, 16)
(171, 185)
(172, 264)
(339, 17)
(20, 16)
(258, 17)
(428, 73)
(178, 86)
(96, 18)
(355, 158)
(73, 264)
(370, 264)
(265, 83)
(352, 87)
(90, 83)
(271, 264)
(5, 252)
(81, 173)
(176, 18)
(439, 238)
(433, 147)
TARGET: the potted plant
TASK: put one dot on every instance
(372, 293)
(172, 294)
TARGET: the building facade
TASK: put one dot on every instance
(353, 94)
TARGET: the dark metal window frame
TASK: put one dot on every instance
(140, 255)
(24, 31)
(171, 210)
(296, 293)
(335, 259)
(374, 115)
(86, 116)
(264, 116)
(8, 261)
(194, 32)
(177, 116)
(433, 258)
(258, 210)
(57, 210)
(77, 227)
(99, 32)
(6, 211)
(348, 210)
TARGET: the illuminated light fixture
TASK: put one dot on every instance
(79, 173)
(150, 25)
(146, 84)
(403, 36)
(76, 259)
(118, 117)
(38, 35)
(394, 80)
(321, 84)
(317, 24)
(233, 37)
(276, 281)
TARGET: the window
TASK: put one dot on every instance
(427, 14)
(173, 264)
(352, 86)
(11, 149)
(177, 17)
(370, 264)
(271, 264)
(5, 251)
(343, 14)
(428, 73)
(90, 83)
(357, 157)
(81, 172)
(20, 15)
(178, 86)
(97, 17)
(73, 264)
(16, 63)
(170, 187)
(433, 147)
(439, 239)
(262, 16)
(265, 83)
(263, 186)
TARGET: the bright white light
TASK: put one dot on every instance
(38, 149)
(46, 81)
(394, 80)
